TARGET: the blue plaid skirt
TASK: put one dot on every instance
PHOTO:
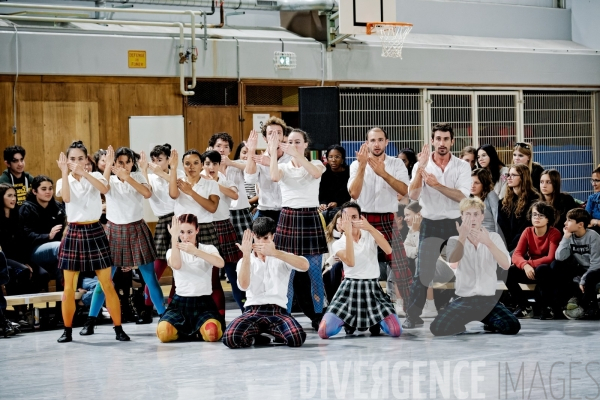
(188, 314)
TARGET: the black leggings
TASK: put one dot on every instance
(545, 281)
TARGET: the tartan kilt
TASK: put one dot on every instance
(207, 234)
(162, 237)
(84, 248)
(241, 220)
(188, 314)
(361, 303)
(131, 245)
(300, 231)
(227, 239)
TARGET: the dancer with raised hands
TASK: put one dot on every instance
(192, 312)
(85, 246)
(360, 303)
(300, 229)
(130, 239)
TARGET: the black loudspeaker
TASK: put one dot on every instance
(320, 115)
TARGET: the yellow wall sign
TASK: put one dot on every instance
(137, 58)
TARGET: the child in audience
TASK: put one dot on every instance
(483, 188)
(264, 273)
(551, 194)
(579, 250)
(523, 154)
(593, 203)
(192, 311)
(474, 254)
(14, 174)
(359, 302)
(487, 158)
(532, 260)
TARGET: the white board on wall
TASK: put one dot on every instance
(145, 132)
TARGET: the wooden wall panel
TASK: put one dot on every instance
(31, 135)
(6, 116)
(203, 122)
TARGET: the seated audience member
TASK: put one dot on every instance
(487, 158)
(474, 254)
(579, 250)
(14, 174)
(5, 325)
(409, 157)
(551, 194)
(264, 273)
(333, 269)
(333, 188)
(43, 220)
(593, 203)
(532, 261)
(523, 154)
(359, 303)
(469, 155)
(512, 211)
(483, 188)
(192, 312)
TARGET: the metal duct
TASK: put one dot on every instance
(272, 5)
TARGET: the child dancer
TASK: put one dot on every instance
(359, 302)
(85, 246)
(192, 310)
(131, 243)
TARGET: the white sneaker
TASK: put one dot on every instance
(400, 308)
(429, 310)
(105, 313)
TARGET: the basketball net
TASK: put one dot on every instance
(392, 35)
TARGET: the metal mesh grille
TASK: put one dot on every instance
(271, 95)
(398, 111)
(497, 123)
(455, 109)
(560, 126)
(215, 93)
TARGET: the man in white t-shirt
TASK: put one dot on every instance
(264, 273)
(439, 181)
(474, 254)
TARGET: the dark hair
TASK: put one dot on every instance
(342, 152)
(442, 127)
(414, 206)
(351, 204)
(376, 128)
(130, 154)
(224, 136)
(287, 131)
(485, 177)
(580, 215)
(161, 149)
(91, 161)
(190, 152)
(401, 208)
(188, 219)
(97, 156)
(304, 135)
(546, 210)
(10, 152)
(4, 187)
(554, 176)
(262, 226)
(411, 156)
(495, 164)
(238, 151)
(37, 181)
(212, 155)
(274, 121)
(78, 144)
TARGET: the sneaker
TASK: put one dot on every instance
(523, 313)
(105, 313)
(575, 313)
(573, 303)
(400, 308)
(349, 329)
(429, 310)
(547, 314)
(410, 323)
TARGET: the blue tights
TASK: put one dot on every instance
(331, 325)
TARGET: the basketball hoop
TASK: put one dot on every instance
(392, 36)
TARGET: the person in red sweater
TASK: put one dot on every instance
(532, 260)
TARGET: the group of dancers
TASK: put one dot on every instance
(205, 224)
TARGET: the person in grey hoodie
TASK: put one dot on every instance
(579, 250)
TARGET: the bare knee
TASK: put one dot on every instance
(166, 332)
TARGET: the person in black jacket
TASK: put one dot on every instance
(43, 222)
(333, 190)
(551, 194)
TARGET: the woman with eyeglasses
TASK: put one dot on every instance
(523, 154)
(531, 263)
(593, 203)
(487, 157)
(512, 212)
(483, 188)
(551, 194)
(333, 190)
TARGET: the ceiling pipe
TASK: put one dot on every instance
(270, 5)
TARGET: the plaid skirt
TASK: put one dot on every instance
(162, 237)
(361, 303)
(241, 220)
(188, 314)
(207, 234)
(131, 245)
(227, 238)
(300, 231)
(84, 248)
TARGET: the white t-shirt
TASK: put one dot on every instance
(160, 202)
(124, 204)
(195, 275)
(269, 193)
(299, 189)
(185, 204)
(366, 265)
(236, 176)
(85, 203)
(222, 212)
(268, 281)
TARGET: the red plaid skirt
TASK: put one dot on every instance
(84, 248)
(131, 245)
(300, 231)
(227, 239)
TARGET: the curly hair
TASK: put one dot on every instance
(518, 204)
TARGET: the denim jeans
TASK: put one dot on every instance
(45, 257)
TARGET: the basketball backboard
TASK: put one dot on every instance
(354, 14)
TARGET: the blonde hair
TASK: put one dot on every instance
(471, 202)
(526, 152)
